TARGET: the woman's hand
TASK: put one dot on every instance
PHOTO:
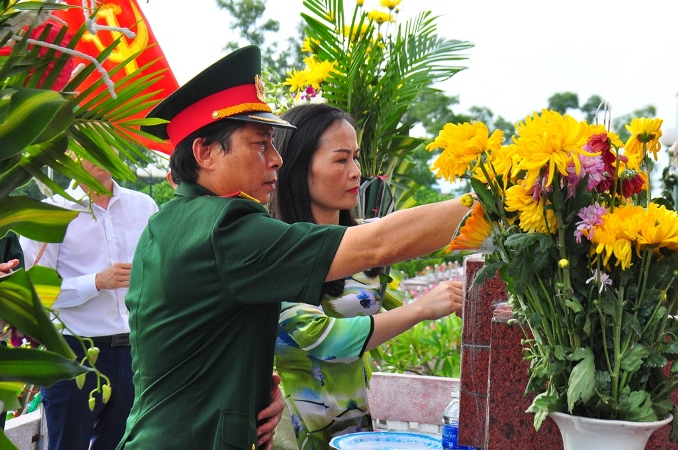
(443, 300)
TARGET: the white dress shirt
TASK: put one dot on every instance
(94, 241)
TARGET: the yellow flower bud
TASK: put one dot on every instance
(92, 403)
(106, 392)
(93, 354)
(80, 380)
(466, 200)
(563, 263)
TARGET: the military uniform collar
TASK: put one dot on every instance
(196, 190)
(192, 190)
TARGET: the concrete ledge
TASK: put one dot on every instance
(24, 431)
(409, 402)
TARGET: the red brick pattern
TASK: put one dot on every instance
(508, 425)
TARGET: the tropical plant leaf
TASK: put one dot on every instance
(9, 391)
(35, 220)
(40, 367)
(47, 284)
(31, 112)
(376, 77)
(21, 307)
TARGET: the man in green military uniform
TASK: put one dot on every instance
(212, 267)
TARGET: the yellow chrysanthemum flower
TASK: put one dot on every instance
(474, 231)
(550, 140)
(659, 228)
(380, 16)
(501, 162)
(532, 214)
(463, 146)
(390, 4)
(307, 46)
(618, 233)
(297, 80)
(354, 32)
(644, 131)
(360, 2)
(318, 71)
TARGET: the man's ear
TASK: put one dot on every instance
(202, 153)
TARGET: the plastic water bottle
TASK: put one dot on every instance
(451, 423)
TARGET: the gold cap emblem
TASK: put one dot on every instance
(261, 89)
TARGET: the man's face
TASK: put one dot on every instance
(250, 165)
(101, 175)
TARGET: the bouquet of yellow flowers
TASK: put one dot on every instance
(589, 259)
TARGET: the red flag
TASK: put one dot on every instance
(124, 14)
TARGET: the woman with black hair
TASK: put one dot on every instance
(319, 348)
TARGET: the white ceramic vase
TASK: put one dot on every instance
(583, 433)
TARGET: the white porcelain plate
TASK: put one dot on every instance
(386, 440)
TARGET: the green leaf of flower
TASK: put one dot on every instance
(637, 407)
(656, 360)
(541, 406)
(671, 348)
(582, 382)
(633, 358)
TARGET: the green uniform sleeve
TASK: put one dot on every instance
(275, 261)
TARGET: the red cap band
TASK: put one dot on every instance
(230, 102)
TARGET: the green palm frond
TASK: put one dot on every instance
(95, 128)
(379, 73)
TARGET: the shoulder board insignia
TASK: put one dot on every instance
(241, 194)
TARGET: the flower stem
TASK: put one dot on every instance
(617, 340)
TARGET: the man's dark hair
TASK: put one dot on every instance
(183, 166)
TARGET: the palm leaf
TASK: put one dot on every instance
(42, 368)
(375, 84)
(30, 113)
(47, 284)
(21, 307)
(34, 219)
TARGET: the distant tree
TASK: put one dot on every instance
(248, 21)
(481, 114)
(507, 127)
(432, 110)
(591, 107)
(563, 101)
(422, 173)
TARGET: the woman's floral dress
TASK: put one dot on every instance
(319, 358)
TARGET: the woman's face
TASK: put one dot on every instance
(334, 175)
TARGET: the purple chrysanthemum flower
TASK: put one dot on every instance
(539, 187)
(601, 278)
(591, 216)
(593, 166)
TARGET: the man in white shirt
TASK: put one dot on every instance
(94, 262)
